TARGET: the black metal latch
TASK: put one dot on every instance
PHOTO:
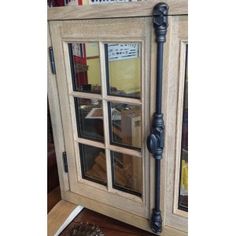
(52, 61)
(65, 163)
(155, 141)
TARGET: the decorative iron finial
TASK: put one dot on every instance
(160, 21)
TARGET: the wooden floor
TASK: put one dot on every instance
(54, 197)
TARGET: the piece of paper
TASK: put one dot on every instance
(69, 219)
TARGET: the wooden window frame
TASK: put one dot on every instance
(61, 39)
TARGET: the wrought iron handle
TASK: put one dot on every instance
(155, 141)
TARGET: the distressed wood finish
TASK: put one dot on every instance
(121, 206)
(58, 215)
(118, 214)
(115, 10)
(178, 32)
(181, 86)
(55, 112)
(114, 30)
(63, 209)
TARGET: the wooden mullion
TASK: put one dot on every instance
(105, 115)
(124, 150)
(125, 100)
(90, 142)
(86, 95)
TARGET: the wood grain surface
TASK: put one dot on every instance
(108, 226)
(58, 215)
(115, 10)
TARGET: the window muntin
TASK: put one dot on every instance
(96, 127)
(89, 118)
(127, 173)
(125, 124)
(93, 163)
(123, 69)
(85, 67)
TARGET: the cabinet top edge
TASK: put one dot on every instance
(115, 10)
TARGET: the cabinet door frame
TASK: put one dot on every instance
(114, 30)
(173, 98)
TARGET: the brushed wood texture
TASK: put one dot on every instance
(55, 112)
(106, 224)
(115, 10)
(112, 30)
(58, 215)
(178, 33)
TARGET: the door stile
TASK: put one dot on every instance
(105, 116)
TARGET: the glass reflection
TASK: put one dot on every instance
(127, 173)
(93, 163)
(123, 69)
(89, 117)
(125, 124)
(85, 67)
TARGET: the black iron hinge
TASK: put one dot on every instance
(52, 61)
(65, 163)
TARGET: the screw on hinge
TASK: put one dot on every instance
(64, 156)
(52, 61)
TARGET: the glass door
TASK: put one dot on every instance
(102, 81)
(96, 101)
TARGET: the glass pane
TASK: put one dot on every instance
(93, 163)
(125, 123)
(127, 173)
(123, 69)
(183, 196)
(85, 67)
(89, 116)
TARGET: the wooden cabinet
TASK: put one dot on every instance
(102, 118)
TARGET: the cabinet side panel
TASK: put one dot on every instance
(55, 113)
(178, 29)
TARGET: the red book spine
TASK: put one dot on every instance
(59, 3)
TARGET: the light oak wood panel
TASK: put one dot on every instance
(86, 95)
(132, 9)
(64, 100)
(181, 86)
(118, 214)
(178, 29)
(90, 142)
(55, 112)
(125, 150)
(58, 215)
(124, 100)
(112, 31)
(122, 30)
(62, 210)
(105, 116)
